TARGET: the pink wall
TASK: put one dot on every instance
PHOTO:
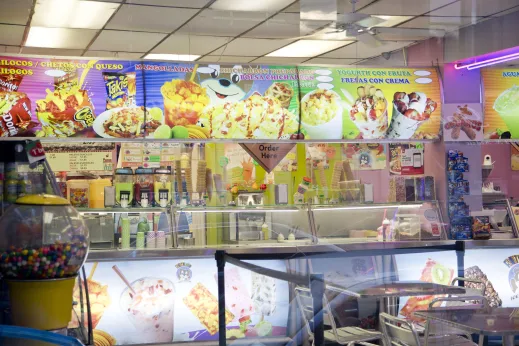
(502, 174)
(434, 165)
(426, 53)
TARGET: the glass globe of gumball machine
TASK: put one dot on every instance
(43, 245)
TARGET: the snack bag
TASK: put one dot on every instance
(9, 82)
(481, 227)
(15, 113)
(117, 89)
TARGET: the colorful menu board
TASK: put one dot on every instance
(177, 301)
(370, 103)
(44, 97)
(501, 98)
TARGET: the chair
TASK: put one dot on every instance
(461, 302)
(400, 332)
(343, 336)
(471, 289)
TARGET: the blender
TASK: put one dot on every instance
(144, 187)
(162, 186)
(123, 187)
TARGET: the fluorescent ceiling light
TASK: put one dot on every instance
(59, 38)
(493, 62)
(76, 14)
(487, 62)
(390, 21)
(181, 57)
(308, 48)
(250, 5)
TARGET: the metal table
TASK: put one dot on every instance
(390, 291)
(408, 289)
(487, 321)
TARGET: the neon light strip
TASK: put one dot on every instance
(490, 63)
(487, 62)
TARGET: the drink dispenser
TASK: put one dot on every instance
(144, 187)
(123, 187)
(162, 186)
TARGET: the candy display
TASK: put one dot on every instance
(43, 238)
(457, 187)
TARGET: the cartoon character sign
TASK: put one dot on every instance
(225, 84)
(184, 273)
(365, 160)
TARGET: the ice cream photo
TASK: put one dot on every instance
(409, 112)
(321, 114)
(149, 305)
(369, 112)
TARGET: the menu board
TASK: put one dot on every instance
(177, 301)
(137, 99)
(42, 97)
(370, 103)
(81, 157)
(149, 155)
(501, 91)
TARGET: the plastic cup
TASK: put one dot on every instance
(373, 129)
(402, 127)
(151, 309)
(507, 106)
(329, 130)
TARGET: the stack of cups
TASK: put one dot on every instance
(125, 232)
(151, 240)
(140, 240)
(161, 240)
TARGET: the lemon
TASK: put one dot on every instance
(156, 113)
(163, 132)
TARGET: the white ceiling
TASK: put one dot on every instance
(207, 28)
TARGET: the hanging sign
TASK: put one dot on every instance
(268, 155)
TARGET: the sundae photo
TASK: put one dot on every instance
(369, 112)
(409, 112)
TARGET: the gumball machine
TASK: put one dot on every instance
(43, 245)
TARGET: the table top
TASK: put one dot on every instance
(407, 289)
(486, 321)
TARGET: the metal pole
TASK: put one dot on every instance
(317, 290)
(220, 263)
(460, 255)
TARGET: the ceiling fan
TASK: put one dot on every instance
(359, 26)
